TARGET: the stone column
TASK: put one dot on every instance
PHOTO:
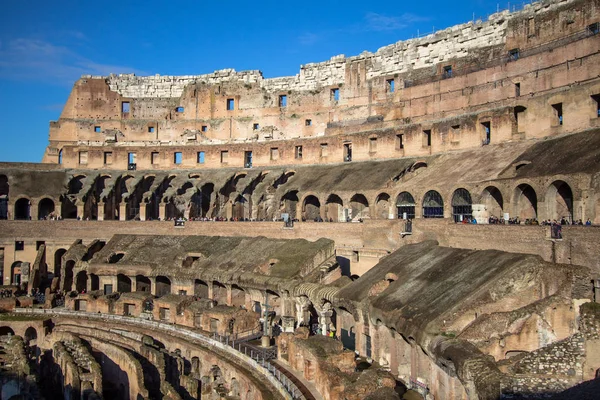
(162, 210)
(133, 284)
(229, 295)
(152, 285)
(80, 209)
(325, 312)
(100, 211)
(122, 211)
(143, 211)
(302, 306)
(33, 210)
(210, 290)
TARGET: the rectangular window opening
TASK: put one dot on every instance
(594, 28)
(248, 159)
(97, 129)
(558, 112)
(230, 104)
(596, 98)
(255, 127)
(335, 94)
(204, 128)
(224, 156)
(324, 152)
(448, 71)
(427, 137)
(308, 122)
(150, 129)
(391, 86)
(399, 142)
(517, 89)
(372, 145)
(513, 55)
(282, 100)
(125, 107)
(83, 157)
(19, 245)
(200, 157)
(131, 158)
(179, 109)
(487, 129)
(154, 157)
(347, 152)
(108, 157)
(177, 157)
(298, 153)
(274, 153)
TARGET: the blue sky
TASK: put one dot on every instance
(46, 45)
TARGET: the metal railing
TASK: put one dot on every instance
(259, 361)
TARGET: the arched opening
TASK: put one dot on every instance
(462, 205)
(22, 209)
(311, 209)
(68, 283)
(240, 208)
(58, 261)
(492, 199)
(334, 208)
(68, 206)
(6, 331)
(382, 206)
(123, 283)
(206, 191)
(115, 258)
(4, 187)
(559, 200)
(238, 296)
(81, 281)
(142, 284)
(433, 205)
(405, 204)
(15, 273)
(45, 208)
(359, 206)
(30, 335)
(525, 202)
(290, 203)
(200, 289)
(163, 285)
(346, 324)
(219, 293)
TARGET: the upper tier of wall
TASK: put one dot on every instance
(454, 42)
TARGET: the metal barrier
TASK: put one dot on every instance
(258, 361)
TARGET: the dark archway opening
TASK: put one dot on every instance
(433, 205)
(405, 204)
(163, 286)
(22, 209)
(462, 205)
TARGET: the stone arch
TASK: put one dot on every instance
(238, 296)
(6, 331)
(15, 273)
(45, 208)
(347, 328)
(382, 206)
(559, 201)
(311, 208)
(142, 284)
(334, 208)
(433, 205)
(30, 335)
(123, 283)
(94, 282)
(219, 293)
(462, 205)
(115, 258)
(4, 189)
(290, 203)
(68, 201)
(58, 254)
(241, 209)
(163, 285)
(200, 289)
(405, 205)
(23, 209)
(359, 206)
(492, 199)
(81, 281)
(525, 201)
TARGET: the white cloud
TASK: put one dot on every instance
(379, 22)
(31, 59)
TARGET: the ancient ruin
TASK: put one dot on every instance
(417, 222)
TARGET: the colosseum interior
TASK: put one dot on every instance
(420, 222)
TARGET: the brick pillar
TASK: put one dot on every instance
(162, 211)
(143, 211)
(80, 209)
(100, 210)
(229, 295)
(33, 211)
(123, 211)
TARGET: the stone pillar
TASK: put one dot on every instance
(133, 284)
(229, 209)
(323, 209)
(152, 285)
(210, 290)
(229, 295)
(33, 210)
(162, 210)
(143, 211)
(80, 209)
(122, 211)
(287, 323)
(302, 306)
(100, 211)
(11, 211)
(325, 312)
